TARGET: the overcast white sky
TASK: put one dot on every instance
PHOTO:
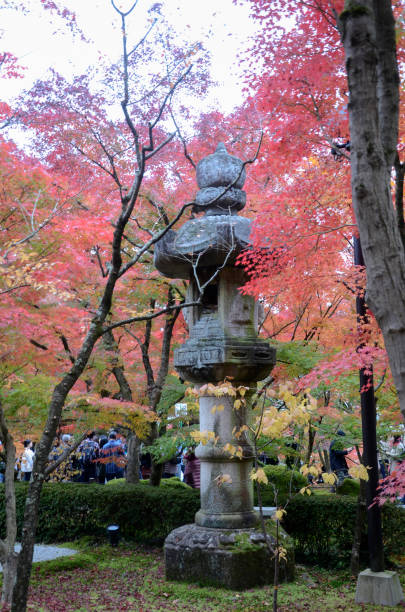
(223, 27)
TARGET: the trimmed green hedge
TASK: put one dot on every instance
(72, 510)
(322, 527)
(283, 480)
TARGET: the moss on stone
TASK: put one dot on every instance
(353, 9)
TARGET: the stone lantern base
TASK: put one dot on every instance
(236, 559)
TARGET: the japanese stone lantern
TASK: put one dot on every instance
(222, 343)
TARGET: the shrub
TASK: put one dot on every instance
(71, 510)
(323, 526)
(349, 487)
(283, 480)
(173, 482)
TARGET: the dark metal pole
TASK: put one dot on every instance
(369, 422)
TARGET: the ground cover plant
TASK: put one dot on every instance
(132, 578)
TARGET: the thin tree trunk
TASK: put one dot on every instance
(311, 440)
(324, 457)
(155, 385)
(60, 393)
(125, 393)
(276, 569)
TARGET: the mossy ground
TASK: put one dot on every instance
(132, 578)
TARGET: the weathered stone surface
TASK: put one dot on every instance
(220, 169)
(227, 504)
(219, 200)
(237, 559)
(379, 588)
(209, 240)
(223, 336)
(222, 547)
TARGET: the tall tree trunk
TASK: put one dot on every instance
(8, 556)
(368, 35)
(59, 395)
(19, 601)
(369, 434)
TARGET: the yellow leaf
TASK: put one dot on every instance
(359, 471)
(223, 479)
(259, 475)
(304, 470)
(329, 478)
(229, 448)
(278, 515)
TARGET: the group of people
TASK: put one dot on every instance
(100, 459)
(96, 459)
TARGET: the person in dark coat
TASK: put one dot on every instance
(114, 449)
(337, 457)
(192, 470)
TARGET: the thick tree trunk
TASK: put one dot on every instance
(368, 35)
(156, 474)
(133, 463)
(9, 577)
(369, 434)
(361, 513)
(8, 556)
